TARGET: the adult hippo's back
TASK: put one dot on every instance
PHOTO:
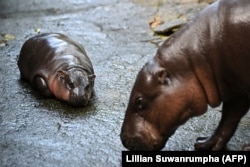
(205, 63)
(57, 66)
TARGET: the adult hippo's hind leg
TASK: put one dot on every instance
(41, 85)
(232, 112)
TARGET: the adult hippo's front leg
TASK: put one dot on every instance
(232, 112)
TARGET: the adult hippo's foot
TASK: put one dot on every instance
(206, 143)
(227, 126)
(246, 147)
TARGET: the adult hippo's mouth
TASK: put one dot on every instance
(143, 137)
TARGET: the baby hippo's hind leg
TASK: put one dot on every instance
(232, 112)
(41, 85)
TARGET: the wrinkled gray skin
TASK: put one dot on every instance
(57, 66)
(205, 63)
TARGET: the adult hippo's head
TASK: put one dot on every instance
(163, 97)
(74, 86)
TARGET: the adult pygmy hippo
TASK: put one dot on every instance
(57, 66)
(205, 63)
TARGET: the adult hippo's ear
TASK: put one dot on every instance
(163, 76)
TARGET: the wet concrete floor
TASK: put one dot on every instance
(45, 132)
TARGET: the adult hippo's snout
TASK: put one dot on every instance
(143, 136)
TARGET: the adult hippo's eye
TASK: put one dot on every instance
(140, 104)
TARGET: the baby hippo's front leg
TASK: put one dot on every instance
(40, 84)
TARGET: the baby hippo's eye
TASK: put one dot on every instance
(71, 85)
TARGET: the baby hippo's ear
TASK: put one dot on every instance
(61, 73)
(92, 77)
(163, 76)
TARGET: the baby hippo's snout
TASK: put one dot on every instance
(81, 95)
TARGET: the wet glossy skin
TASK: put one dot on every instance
(205, 63)
(57, 66)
